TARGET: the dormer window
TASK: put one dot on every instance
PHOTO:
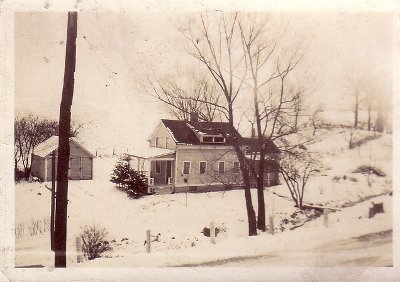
(212, 139)
(207, 139)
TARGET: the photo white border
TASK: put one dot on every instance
(7, 205)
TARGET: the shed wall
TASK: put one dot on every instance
(81, 164)
(38, 166)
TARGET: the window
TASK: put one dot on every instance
(213, 139)
(186, 167)
(221, 167)
(207, 139)
(203, 167)
(236, 167)
(158, 167)
(219, 139)
(157, 142)
(166, 142)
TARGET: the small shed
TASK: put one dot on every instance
(80, 161)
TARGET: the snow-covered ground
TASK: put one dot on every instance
(179, 219)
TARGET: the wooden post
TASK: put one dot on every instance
(326, 212)
(212, 232)
(271, 224)
(60, 229)
(148, 241)
(186, 199)
(371, 212)
(53, 195)
(78, 245)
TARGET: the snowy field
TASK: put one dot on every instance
(179, 219)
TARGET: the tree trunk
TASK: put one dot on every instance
(369, 118)
(261, 206)
(260, 193)
(60, 230)
(356, 112)
(380, 122)
(251, 215)
(260, 173)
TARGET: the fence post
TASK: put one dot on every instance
(371, 213)
(271, 225)
(326, 212)
(78, 245)
(148, 241)
(212, 232)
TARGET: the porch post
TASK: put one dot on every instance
(147, 163)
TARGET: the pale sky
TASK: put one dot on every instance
(116, 50)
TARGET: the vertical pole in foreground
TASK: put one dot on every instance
(326, 212)
(53, 192)
(60, 230)
(271, 225)
(212, 232)
(148, 241)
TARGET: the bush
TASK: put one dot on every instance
(18, 174)
(93, 241)
(128, 179)
(367, 169)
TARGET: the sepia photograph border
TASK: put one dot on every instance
(8, 272)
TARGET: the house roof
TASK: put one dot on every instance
(252, 143)
(184, 132)
(47, 147)
(152, 152)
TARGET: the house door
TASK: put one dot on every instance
(168, 169)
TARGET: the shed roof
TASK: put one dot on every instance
(152, 152)
(47, 147)
(184, 132)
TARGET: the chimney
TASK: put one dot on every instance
(194, 117)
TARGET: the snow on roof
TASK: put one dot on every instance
(47, 147)
(151, 152)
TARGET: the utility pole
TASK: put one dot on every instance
(53, 192)
(60, 230)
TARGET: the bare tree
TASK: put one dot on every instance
(198, 95)
(355, 81)
(278, 102)
(214, 43)
(350, 134)
(296, 168)
(370, 100)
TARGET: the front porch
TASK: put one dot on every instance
(158, 165)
